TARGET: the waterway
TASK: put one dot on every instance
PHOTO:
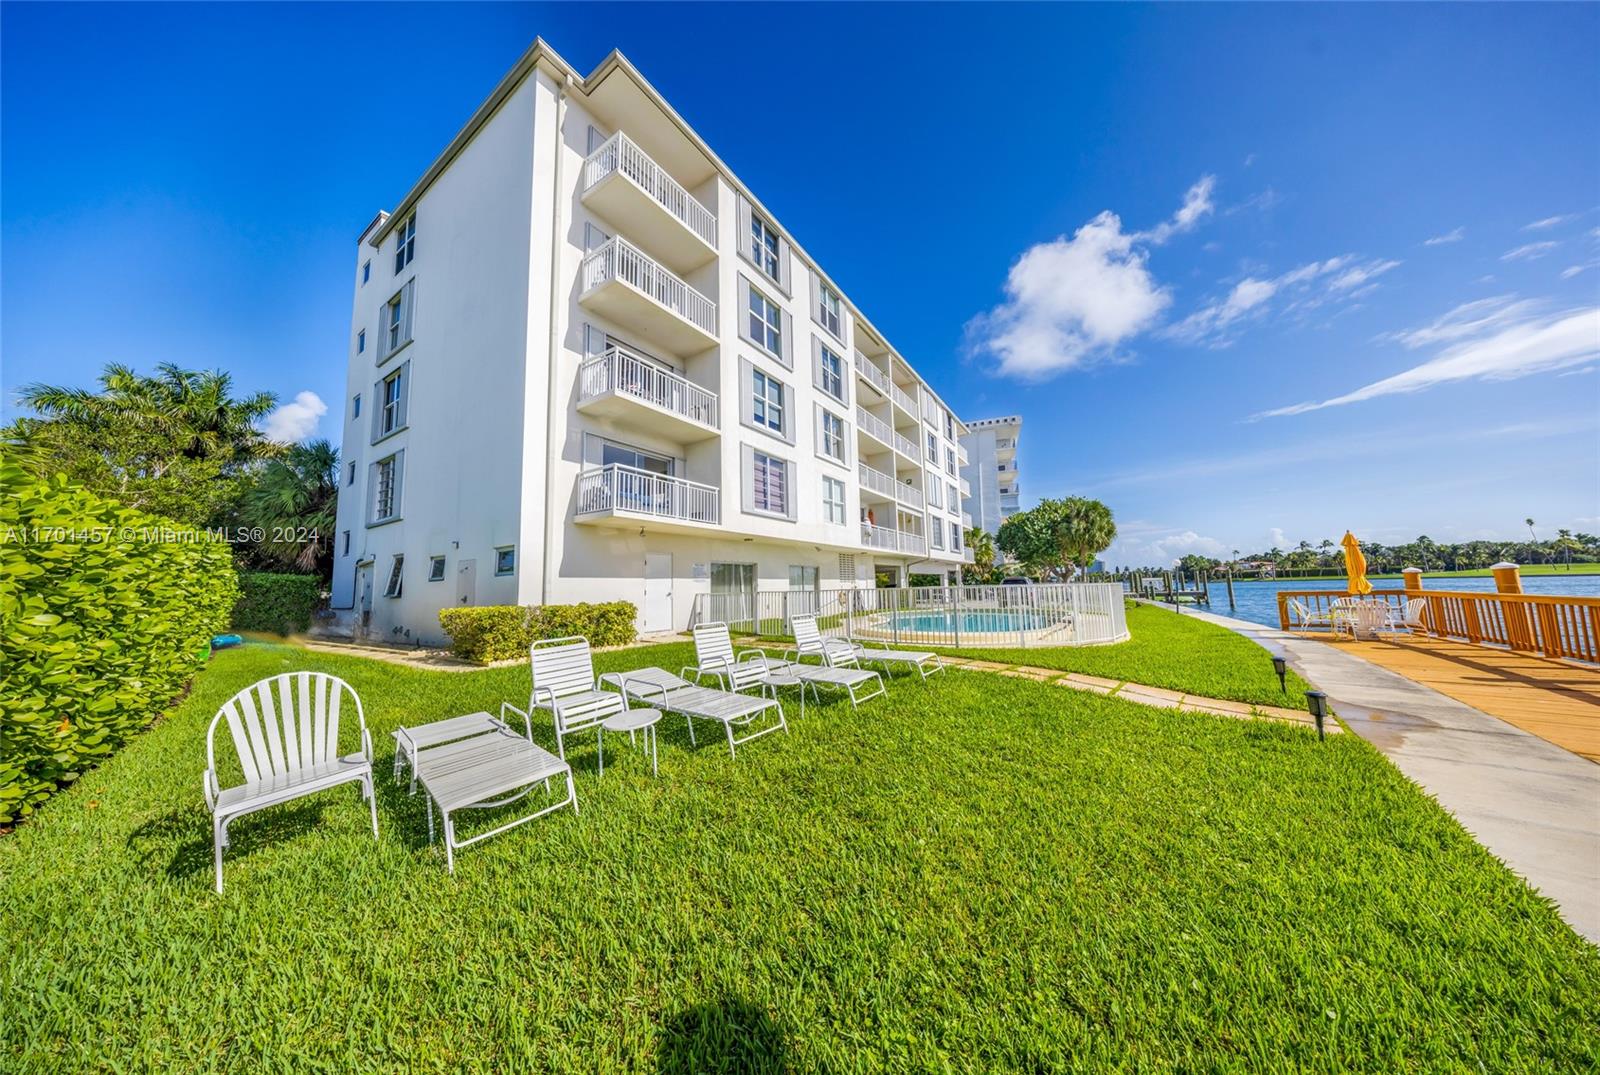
(1258, 601)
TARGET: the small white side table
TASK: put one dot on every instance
(630, 721)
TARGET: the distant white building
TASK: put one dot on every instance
(587, 364)
(991, 471)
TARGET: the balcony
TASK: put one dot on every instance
(966, 520)
(626, 187)
(874, 427)
(888, 539)
(888, 487)
(622, 283)
(903, 399)
(965, 487)
(872, 374)
(907, 447)
(618, 495)
(619, 384)
(961, 454)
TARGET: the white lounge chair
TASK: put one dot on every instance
(1409, 617)
(285, 729)
(713, 649)
(673, 694)
(564, 683)
(1301, 616)
(809, 642)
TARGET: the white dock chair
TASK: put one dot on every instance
(714, 656)
(285, 729)
(1301, 616)
(1408, 617)
(564, 683)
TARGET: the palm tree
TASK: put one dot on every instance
(1529, 523)
(294, 500)
(981, 542)
(1565, 543)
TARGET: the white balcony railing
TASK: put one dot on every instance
(961, 454)
(913, 543)
(874, 426)
(616, 487)
(619, 154)
(876, 480)
(619, 370)
(908, 494)
(906, 446)
(906, 401)
(892, 540)
(618, 259)
(872, 374)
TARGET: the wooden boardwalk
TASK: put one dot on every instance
(1556, 700)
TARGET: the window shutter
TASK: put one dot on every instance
(784, 259)
(744, 310)
(594, 341)
(847, 377)
(410, 304)
(844, 326)
(789, 498)
(747, 388)
(790, 402)
(844, 432)
(399, 483)
(744, 226)
(816, 427)
(816, 296)
(595, 139)
(377, 411)
(405, 395)
(788, 340)
(816, 362)
(747, 477)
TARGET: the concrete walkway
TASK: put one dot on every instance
(1528, 801)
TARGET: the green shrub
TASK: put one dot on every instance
(282, 604)
(504, 632)
(105, 613)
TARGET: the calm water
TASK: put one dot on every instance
(1258, 601)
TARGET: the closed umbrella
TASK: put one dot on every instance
(1355, 565)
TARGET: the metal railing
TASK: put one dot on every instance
(619, 154)
(961, 454)
(906, 446)
(616, 487)
(876, 480)
(1018, 617)
(625, 373)
(907, 402)
(880, 537)
(872, 374)
(1554, 625)
(908, 494)
(618, 259)
(874, 426)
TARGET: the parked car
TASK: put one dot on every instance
(1016, 580)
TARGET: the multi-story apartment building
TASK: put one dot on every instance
(991, 470)
(586, 363)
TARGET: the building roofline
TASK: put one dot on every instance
(541, 54)
(1007, 420)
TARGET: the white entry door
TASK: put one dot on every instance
(657, 591)
(467, 582)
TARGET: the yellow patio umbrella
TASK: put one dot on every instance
(1355, 565)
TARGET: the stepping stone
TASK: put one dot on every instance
(1079, 685)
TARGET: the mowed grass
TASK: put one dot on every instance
(974, 874)
(1172, 650)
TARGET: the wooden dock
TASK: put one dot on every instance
(1554, 699)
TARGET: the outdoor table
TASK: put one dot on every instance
(409, 741)
(783, 676)
(630, 721)
(477, 772)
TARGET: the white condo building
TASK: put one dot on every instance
(586, 363)
(991, 470)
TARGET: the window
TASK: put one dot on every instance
(405, 237)
(393, 416)
(833, 500)
(397, 320)
(828, 315)
(505, 560)
(830, 373)
(803, 577)
(436, 569)
(955, 537)
(934, 493)
(766, 322)
(366, 270)
(351, 480)
(621, 454)
(767, 401)
(344, 549)
(949, 426)
(361, 342)
(955, 498)
(933, 450)
(386, 479)
(392, 589)
(355, 406)
(937, 532)
(832, 436)
(770, 489)
(949, 460)
(763, 246)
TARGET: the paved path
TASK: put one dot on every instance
(1528, 801)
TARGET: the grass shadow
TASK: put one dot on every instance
(727, 1035)
(160, 842)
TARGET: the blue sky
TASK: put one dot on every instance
(1163, 235)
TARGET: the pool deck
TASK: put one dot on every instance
(1534, 804)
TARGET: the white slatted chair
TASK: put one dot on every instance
(809, 642)
(714, 656)
(1408, 617)
(286, 731)
(1302, 616)
(564, 683)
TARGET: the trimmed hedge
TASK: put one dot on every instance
(280, 603)
(504, 632)
(105, 614)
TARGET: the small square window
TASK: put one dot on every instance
(394, 587)
(345, 547)
(361, 342)
(436, 569)
(366, 270)
(355, 406)
(352, 479)
(505, 560)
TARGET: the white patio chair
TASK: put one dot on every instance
(714, 655)
(1301, 616)
(564, 683)
(1408, 617)
(285, 729)
(809, 642)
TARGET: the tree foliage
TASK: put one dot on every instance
(1055, 535)
(293, 502)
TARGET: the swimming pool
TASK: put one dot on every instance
(973, 622)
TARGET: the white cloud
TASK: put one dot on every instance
(1547, 223)
(1276, 538)
(1344, 279)
(1354, 277)
(1455, 235)
(1500, 352)
(1073, 301)
(1173, 548)
(1530, 251)
(1469, 319)
(1573, 270)
(291, 423)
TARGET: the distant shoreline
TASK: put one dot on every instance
(1473, 572)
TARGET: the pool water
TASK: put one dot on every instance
(975, 623)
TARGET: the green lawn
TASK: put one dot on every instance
(975, 874)
(1169, 650)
